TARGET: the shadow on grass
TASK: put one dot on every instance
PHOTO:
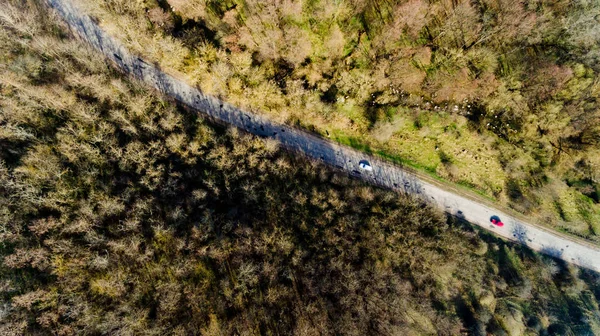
(355, 143)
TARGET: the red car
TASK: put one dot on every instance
(496, 221)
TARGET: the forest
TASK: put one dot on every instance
(123, 213)
(499, 97)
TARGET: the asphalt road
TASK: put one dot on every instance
(384, 174)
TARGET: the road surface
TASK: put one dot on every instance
(384, 174)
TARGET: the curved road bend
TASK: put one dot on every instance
(384, 174)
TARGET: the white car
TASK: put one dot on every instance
(365, 165)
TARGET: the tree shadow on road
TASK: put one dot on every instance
(519, 232)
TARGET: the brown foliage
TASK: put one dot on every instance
(123, 214)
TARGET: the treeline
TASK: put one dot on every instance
(122, 213)
(497, 95)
